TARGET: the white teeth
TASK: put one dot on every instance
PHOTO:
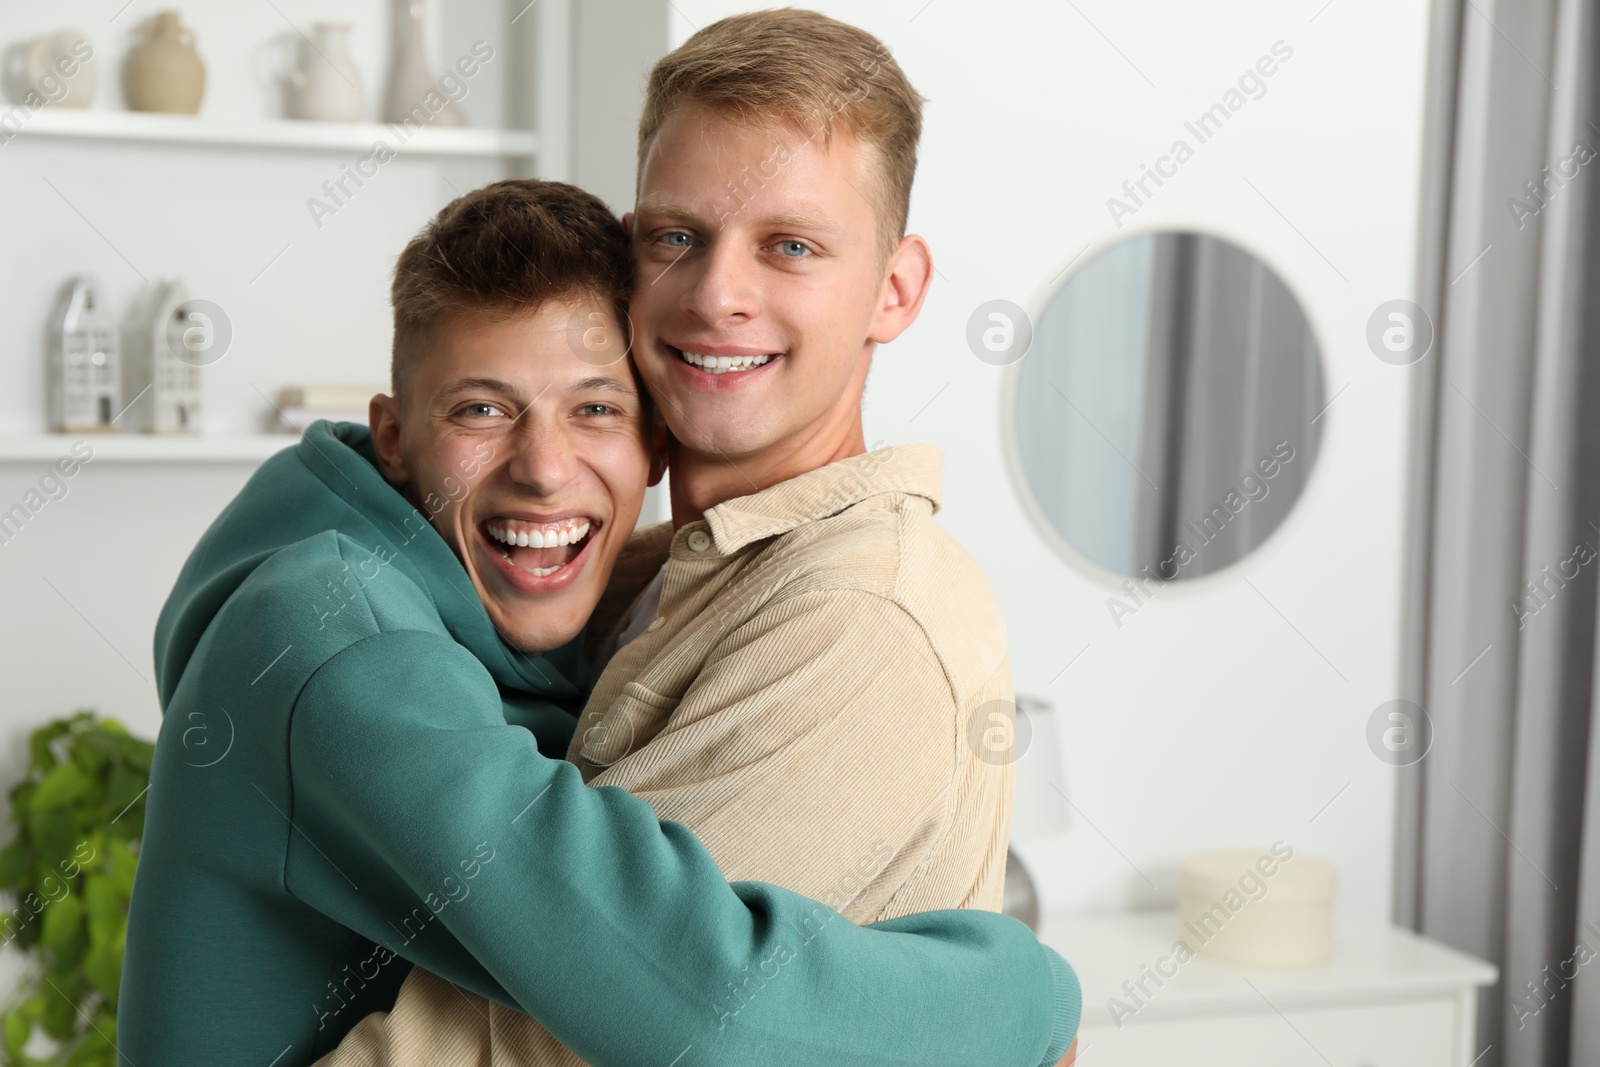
(568, 533)
(541, 572)
(723, 364)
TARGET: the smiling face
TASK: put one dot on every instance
(762, 290)
(530, 461)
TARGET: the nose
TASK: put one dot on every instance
(543, 459)
(725, 288)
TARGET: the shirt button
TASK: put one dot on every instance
(656, 624)
(699, 541)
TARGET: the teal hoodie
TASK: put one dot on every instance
(355, 774)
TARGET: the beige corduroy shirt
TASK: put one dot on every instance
(817, 698)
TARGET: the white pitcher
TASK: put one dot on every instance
(326, 86)
(60, 69)
(414, 96)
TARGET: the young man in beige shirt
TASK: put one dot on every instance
(801, 666)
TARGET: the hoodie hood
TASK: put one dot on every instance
(330, 481)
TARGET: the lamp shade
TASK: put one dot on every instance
(1039, 808)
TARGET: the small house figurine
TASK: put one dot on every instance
(85, 366)
(160, 391)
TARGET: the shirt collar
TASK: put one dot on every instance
(917, 470)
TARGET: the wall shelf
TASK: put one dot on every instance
(145, 448)
(356, 137)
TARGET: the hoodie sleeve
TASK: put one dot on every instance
(430, 826)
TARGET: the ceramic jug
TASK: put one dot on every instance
(413, 92)
(60, 68)
(326, 85)
(164, 71)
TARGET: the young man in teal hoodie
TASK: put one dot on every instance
(366, 696)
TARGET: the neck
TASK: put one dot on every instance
(700, 481)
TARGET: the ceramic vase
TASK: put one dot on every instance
(165, 73)
(326, 85)
(60, 68)
(413, 96)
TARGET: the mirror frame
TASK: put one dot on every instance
(1039, 303)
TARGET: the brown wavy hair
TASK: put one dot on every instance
(505, 249)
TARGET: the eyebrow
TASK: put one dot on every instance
(813, 223)
(612, 385)
(474, 385)
(496, 385)
(655, 205)
(651, 205)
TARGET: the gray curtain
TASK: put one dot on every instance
(1231, 370)
(1495, 854)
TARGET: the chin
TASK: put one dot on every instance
(734, 437)
(538, 638)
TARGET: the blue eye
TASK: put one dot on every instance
(598, 409)
(667, 239)
(793, 249)
(480, 410)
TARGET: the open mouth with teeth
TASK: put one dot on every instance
(723, 364)
(541, 549)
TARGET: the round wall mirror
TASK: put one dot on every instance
(1166, 410)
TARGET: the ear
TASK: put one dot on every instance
(383, 417)
(627, 224)
(905, 285)
(658, 448)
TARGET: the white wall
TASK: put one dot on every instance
(1228, 711)
(618, 41)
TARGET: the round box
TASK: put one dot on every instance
(1257, 908)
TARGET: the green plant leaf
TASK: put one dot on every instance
(95, 1049)
(63, 925)
(22, 798)
(39, 743)
(140, 755)
(103, 967)
(62, 784)
(123, 863)
(124, 789)
(51, 830)
(18, 1027)
(16, 862)
(91, 751)
(19, 927)
(60, 1016)
(91, 853)
(105, 908)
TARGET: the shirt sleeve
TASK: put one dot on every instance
(427, 824)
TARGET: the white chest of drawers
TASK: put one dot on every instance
(1388, 998)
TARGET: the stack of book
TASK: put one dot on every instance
(301, 405)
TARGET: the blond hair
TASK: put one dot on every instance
(809, 71)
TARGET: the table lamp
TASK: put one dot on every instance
(1039, 807)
